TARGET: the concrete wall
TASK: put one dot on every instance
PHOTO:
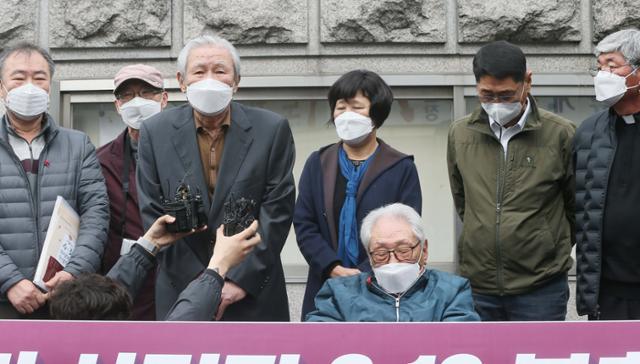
(92, 39)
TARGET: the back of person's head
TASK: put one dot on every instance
(500, 60)
(90, 297)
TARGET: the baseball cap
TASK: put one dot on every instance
(142, 72)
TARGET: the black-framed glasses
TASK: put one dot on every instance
(145, 93)
(503, 97)
(402, 253)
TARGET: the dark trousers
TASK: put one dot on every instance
(546, 303)
(618, 301)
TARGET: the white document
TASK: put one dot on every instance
(59, 243)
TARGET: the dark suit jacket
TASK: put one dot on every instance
(257, 163)
(391, 177)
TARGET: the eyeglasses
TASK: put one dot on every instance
(593, 71)
(488, 98)
(402, 253)
(145, 93)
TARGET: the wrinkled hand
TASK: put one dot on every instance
(231, 293)
(60, 277)
(340, 271)
(229, 251)
(158, 234)
(26, 297)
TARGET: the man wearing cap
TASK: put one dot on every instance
(139, 92)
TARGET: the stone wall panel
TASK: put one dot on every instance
(519, 21)
(248, 21)
(612, 15)
(113, 23)
(380, 21)
(18, 21)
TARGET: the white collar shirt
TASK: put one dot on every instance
(503, 134)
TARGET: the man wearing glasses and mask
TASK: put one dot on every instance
(139, 92)
(511, 176)
(400, 288)
(607, 193)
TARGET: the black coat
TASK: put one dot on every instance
(594, 149)
(256, 163)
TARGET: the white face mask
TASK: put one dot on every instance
(209, 97)
(609, 87)
(27, 101)
(137, 110)
(503, 112)
(352, 127)
(397, 277)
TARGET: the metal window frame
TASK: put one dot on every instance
(454, 87)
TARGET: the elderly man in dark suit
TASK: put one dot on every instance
(223, 150)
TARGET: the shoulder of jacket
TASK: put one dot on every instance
(462, 122)
(167, 117)
(555, 120)
(448, 279)
(70, 139)
(591, 121)
(349, 283)
(264, 115)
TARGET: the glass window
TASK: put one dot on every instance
(100, 121)
(415, 126)
(574, 108)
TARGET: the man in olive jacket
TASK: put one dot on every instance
(511, 175)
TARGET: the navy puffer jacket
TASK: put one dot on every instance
(594, 149)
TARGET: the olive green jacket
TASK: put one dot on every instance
(517, 212)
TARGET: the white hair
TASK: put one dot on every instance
(396, 210)
(625, 41)
(208, 40)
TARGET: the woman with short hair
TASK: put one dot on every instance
(342, 182)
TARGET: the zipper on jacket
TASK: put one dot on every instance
(499, 192)
(398, 297)
(38, 185)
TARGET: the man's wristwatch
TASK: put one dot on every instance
(148, 246)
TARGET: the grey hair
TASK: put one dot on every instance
(626, 41)
(27, 48)
(396, 210)
(208, 40)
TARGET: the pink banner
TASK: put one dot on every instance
(59, 342)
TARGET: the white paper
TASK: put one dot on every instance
(60, 240)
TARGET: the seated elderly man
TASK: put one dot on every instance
(400, 288)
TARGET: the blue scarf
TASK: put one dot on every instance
(348, 242)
